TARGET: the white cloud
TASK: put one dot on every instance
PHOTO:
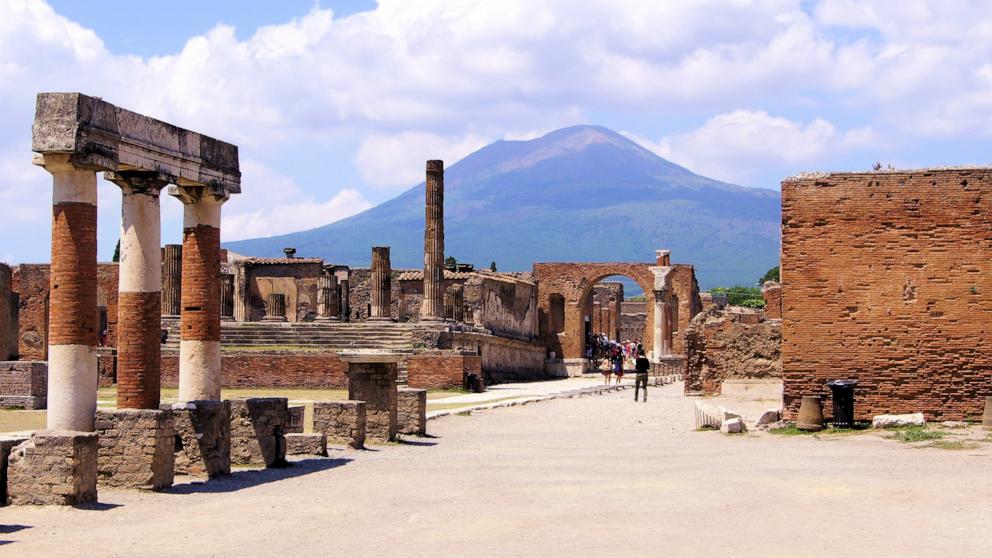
(397, 161)
(739, 145)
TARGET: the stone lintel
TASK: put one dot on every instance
(100, 136)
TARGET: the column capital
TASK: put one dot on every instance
(194, 194)
(60, 162)
(139, 182)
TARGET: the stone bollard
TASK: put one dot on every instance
(987, 415)
(810, 414)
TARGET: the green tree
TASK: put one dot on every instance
(739, 295)
(450, 262)
(117, 252)
(770, 275)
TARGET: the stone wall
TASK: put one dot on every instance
(252, 369)
(887, 279)
(729, 344)
(342, 421)
(441, 369)
(8, 315)
(23, 384)
(136, 448)
(53, 467)
(503, 359)
(411, 411)
(258, 429)
(508, 306)
(375, 384)
(686, 290)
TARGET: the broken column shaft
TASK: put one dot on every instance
(381, 284)
(432, 307)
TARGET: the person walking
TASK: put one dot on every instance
(618, 366)
(641, 366)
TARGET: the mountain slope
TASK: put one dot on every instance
(583, 193)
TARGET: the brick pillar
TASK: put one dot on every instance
(199, 339)
(172, 277)
(72, 320)
(381, 284)
(327, 298)
(139, 306)
(432, 307)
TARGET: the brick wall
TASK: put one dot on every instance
(441, 370)
(8, 315)
(300, 370)
(772, 293)
(887, 278)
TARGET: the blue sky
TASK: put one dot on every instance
(335, 105)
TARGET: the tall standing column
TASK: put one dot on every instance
(139, 303)
(72, 320)
(199, 323)
(432, 307)
(381, 284)
(172, 277)
(658, 325)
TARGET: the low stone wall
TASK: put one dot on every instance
(7, 444)
(23, 384)
(270, 370)
(411, 411)
(137, 448)
(341, 421)
(54, 467)
(203, 430)
(258, 428)
(375, 384)
(306, 444)
(731, 344)
(441, 369)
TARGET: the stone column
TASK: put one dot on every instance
(344, 291)
(227, 297)
(139, 306)
(432, 307)
(199, 341)
(381, 284)
(275, 308)
(72, 319)
(658, 325)
(458, 303)
(327, 298)
(172, 277)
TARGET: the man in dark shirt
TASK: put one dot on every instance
(642, 365)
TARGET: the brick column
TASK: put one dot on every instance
(381, 284)
(139, 307)
(432, 307)
(172, 277)
(72, 320)
(199, 339)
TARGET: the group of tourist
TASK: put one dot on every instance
(616, 355)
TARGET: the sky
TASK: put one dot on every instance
(335, 106)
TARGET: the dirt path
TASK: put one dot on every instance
(593, 476)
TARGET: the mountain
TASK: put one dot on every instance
(583, 193)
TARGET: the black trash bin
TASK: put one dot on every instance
(842, 392)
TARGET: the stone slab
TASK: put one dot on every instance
(53, 468)
(136, 448)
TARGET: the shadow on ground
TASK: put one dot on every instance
(241, 479)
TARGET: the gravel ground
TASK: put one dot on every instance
(590, 476)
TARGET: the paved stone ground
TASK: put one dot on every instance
(590, 476)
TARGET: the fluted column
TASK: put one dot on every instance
(72, 318)
(275, 308)
(381, 284)
(432, 307)
(172, 278)
(662, 326)
(327, 298)
(199, 340)
(139, 302)
(458, 303)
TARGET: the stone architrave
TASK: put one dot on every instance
(372, 379)
(381, 284)
(432, 306)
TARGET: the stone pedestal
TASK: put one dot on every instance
(275, 309)
(306, 444)
(23, 384)
(53, 467)
(136, 449)
(203, 435)
(7, 444)
(341, 421)
(372, 379)
(411, 411)
(258, 429)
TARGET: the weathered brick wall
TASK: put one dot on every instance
(722, 345)
(252, 369)
(887, 278)
(686, 289)
(772, 293)
(8, 315)
(441, 370)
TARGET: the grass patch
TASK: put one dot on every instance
(793, 430)
(463, 413)
(911, 434)
(16, 420)
(953, 445)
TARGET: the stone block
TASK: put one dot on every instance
(294, 422)
(894, 421)
(769, 416)
(341, 421)
(53, 467)
(23, 384)
(954, 424)
(314, 443)
(411, 411)
(136, 448)
(7, 444)
(258, 430)
(733, 426)
(203, 437)
(375, 384)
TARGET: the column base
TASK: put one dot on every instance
(54, 467)
(411, 411)
(379, 319)
(258, 430)
(136, 449)
(341, 421)
(203, 437)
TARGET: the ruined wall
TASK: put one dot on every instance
(731, 344)
(297, 281)
(771, 291)
(23, 384)
(503, 359)
(283, 370)
(441, 370)
(887, 278)
(508, 307)
(8, 314)
(405, 305)
(686, 290)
